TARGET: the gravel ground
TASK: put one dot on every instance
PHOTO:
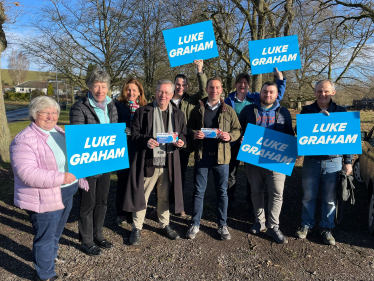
(245, 257)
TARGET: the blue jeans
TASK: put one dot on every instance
(324, 174)
(48, 228)
(220, 175)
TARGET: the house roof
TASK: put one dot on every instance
(39, 85)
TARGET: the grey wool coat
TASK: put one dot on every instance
(142, 126)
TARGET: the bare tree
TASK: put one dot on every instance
(262, 19)
(18, 66)
(4, 129)
(103, 32)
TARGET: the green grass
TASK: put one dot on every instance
(30, 76)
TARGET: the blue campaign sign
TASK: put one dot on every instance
(281, 52)
(191, 42)
(96, 149)
(337, 134)
(268, 149)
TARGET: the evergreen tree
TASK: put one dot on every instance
(50, 90)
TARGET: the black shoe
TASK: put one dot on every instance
(171, 234)
(91, 251)
(105, 244)
(135, 236)
(49, 279)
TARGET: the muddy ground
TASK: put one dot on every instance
(245, 257)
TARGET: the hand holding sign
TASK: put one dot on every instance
(179, 143)
(199, 135)
(152, 144)
(199, 65)
(68, 178)
(224, 136)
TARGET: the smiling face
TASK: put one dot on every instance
(180, 87)
(242, 86)
(214, 90)
(46, 118)
(164, 95)
(132, 92)
(99, 90)
(268, 95)
(323, 93)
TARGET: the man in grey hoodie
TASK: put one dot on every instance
(267, 112)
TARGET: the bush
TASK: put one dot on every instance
(36, 93)
(10, 96)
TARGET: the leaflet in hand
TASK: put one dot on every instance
(211, 133)
(167, 137)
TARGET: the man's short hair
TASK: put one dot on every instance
(269, 83)
(214, 78)
(325, 80)
(240, 76)
(184, 77)
(165, 81)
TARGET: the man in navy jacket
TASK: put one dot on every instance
(267, 112)
(322, 171)
(238, 100)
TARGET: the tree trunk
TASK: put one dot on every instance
(256, 82)
(4, 129)
(72, 93)
(299, 105)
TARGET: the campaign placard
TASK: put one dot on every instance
(210, 133)
(268, 149)
(191, 42)
(281, 52)
(337, 134)
(167, 137)
(96, 149)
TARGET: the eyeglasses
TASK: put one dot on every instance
(44, 113)
(160, 93)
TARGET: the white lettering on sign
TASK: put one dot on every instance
(103, 155)
(272, 155)
(275, 50)
(330, 127)
(100, 141)
(191, 49)
(278, 59)
(191, 38)
(335, 139)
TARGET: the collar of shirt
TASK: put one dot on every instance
(213, 107)
(235, 98)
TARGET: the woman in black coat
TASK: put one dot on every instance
(130, 99)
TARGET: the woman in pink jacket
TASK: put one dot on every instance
(42, 184)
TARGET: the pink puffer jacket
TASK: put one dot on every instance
(36, 178)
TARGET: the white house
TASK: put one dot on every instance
(29, 86)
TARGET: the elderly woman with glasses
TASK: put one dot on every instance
(43, 185)
(95, 108)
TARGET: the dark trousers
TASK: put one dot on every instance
(233, 171)
(120, 195)
(220, 175)
(184, 156)
(93, 209)
(48, 228)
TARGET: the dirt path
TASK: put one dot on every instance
(245, 257)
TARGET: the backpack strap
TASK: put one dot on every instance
(255, 110)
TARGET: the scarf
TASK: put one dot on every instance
(101, 105)
(160, 152)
